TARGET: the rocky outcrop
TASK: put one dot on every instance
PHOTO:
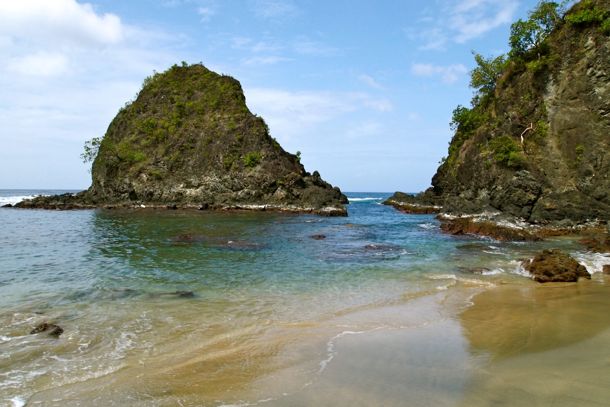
(423, 203)
(188, 140)
(476, 226)
(537, 146)
(555, 266)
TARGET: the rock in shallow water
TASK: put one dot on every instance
(555, 266)
(318, 237)
(51, 329)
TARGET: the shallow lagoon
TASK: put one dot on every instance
(385, 310)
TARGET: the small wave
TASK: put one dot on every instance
(365, 199)
(12, 200)
(428, 226)
(594, 262)
(517, 268)
(17, 401)
(492, 252)
(493, 272)
(443, 277)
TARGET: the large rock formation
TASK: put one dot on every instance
(537, 147)
(189, 140)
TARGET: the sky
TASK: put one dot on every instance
(363, 89)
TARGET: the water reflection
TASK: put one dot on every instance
(544, 345)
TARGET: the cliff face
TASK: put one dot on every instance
(188, 139)
(538, 148)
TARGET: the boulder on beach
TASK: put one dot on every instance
(555, 266)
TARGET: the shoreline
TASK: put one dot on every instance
(392, 354)
(70, 202)
(499, 227)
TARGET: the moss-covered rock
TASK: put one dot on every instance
(555, 266)
(189, 140)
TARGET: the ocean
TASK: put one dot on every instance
(198, 308)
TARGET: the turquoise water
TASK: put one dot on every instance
(145, 287)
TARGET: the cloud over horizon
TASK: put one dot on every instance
(462, 21)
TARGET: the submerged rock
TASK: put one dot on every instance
(50, 329)
(597, 242)
(318, 237)
(606, 269)
(555, 266)
(189, 141)
(188, 238)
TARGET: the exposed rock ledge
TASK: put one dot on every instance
(83, 201)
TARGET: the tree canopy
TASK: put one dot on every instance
(529, 34)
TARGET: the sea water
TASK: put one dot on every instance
(201, 308)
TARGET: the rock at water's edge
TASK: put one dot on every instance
(555, 266)
(469, 225)
(423, 203)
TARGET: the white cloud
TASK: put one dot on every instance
(265, 60)
(289, 112)
(63, 21)
(39, 64)
(448, 74)
(462, 21)
(473, 18)
(65, 69)
(367, 129)
(206, 13)
(369, 81)
(275, 9)
(305, 46)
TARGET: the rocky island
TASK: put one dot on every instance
(531, 156)
(188, 140)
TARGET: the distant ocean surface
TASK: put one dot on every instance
(196, 308)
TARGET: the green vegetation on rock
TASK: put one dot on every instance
(534, 142)
(189, 139)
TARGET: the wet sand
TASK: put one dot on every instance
(469, 345)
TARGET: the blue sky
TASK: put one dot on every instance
(364, 89)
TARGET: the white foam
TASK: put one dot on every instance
(442, 277)
(493, 272)
(365, 199)
(517, 268)
(5, 200)
(594, 262)
(427, 226)
(330, 347)
(17, 401)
